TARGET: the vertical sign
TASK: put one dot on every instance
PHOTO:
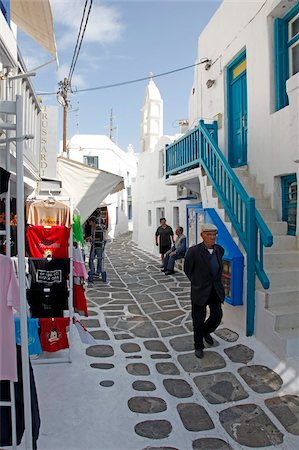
(48, 148)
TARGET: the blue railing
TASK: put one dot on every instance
(246, 220)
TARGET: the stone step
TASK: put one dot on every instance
(282, 277)
(281, 296)
(262, 203)
(286, 317)
(292, 341)
(269, 214)
(280, 259)
(283, 243)
(278, 228)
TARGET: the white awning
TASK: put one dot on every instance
(85, 185)
(35, 18)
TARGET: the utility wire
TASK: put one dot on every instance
(123, 83)
(76, 46)
(79, 48)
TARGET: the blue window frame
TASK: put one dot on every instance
(286, 44)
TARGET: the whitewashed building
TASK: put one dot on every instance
(152, 199)
(100, 152)
(244, 126)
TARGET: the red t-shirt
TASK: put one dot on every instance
(80, 304)
(43, 242)
(53, 335)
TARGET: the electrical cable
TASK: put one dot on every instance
(123, 83)
(76, 46)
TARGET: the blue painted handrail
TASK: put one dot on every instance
(199, 148)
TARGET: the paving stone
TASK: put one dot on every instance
(182, 343)
(286, 410)
(147, 405)
(210, 444)
(163, 296)
(111, 307)
(142, 385)
(249, 425)
(160, 356)
(100, 335)
(211, 361)
(155, 346)
(155, 289)
(130, 347)
(177, 387)
(172, 331)
(167, 368)
(134, 357)
(154, 429)
(91, 312)
(160, 448)
(97, 294)
(107, 383)
(145, 280)
(146, 330)
(99, 351)
(104, 366)
(90, 323)
(143, 298)
(239, 353)
(227, 335)
(120, 336)
(150, 308)
(122, 295)
(261, 379)
(220, 387)
(138, 369)
(194, 417)
(168, 315)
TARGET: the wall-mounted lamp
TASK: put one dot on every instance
(208, 64)
(210, 83)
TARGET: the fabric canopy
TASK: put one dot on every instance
(34, 17)
(85, 185)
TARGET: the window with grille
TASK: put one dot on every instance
(91, 161)
(289, 201)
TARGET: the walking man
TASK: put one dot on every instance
(203, 267)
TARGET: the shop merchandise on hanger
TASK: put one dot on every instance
(4, 179)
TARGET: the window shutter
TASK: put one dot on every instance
(281, 62)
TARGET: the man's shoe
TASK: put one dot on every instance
(169, 272)
(199, 353)
(162, 265)
(163, 270)
(209, 340)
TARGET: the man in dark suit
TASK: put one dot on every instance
(203, 267)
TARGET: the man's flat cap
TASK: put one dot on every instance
(208, 227)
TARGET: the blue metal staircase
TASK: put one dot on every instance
(199, 148)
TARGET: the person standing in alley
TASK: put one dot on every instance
(203, 267)
(164, 238)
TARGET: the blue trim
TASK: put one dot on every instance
(281, 63)
(289, 16)
(286, 181)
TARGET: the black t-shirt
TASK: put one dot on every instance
(49, 273)
(4, 179)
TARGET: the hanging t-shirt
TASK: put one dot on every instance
(48, 213)
(49, 273)
(47, 302)
(77, 229)
(80, 304)
(4, 179)
(53, 336)
(34, 347)
(43, 242)
(79, 269)
(9, 299)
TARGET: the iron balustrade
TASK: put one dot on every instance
(199, 147)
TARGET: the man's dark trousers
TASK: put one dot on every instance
(202, 328)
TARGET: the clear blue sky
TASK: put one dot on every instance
(124, 40)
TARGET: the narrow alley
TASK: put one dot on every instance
(141, 387)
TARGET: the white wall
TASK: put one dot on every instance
(272, 136)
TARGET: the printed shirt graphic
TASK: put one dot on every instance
(34, 347)
(43, 242)
(9, 299)
(46, 273)
(50, 214)
(53, 336)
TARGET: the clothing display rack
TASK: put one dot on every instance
(13, 126)
(45, 357)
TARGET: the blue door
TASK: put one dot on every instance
(237, 112)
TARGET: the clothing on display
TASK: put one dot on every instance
(4, 179)
(53, 335)
(77, 229)
(80, 304)
(79, 269)
(48, 301)
(49, 272)
(48, 242)
(9, 299)
(34, 347)
(49, 213)
(5, 411)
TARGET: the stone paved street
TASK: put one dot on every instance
(141, 387)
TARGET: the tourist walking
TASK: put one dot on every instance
(164, 238)
(203, 266)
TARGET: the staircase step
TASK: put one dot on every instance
(280, 259)
(292, 341)
(281, 296)
(283, 243)
(269, 214)
(288, 277)
(287, 317)
(262, 203)
(278, 228)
